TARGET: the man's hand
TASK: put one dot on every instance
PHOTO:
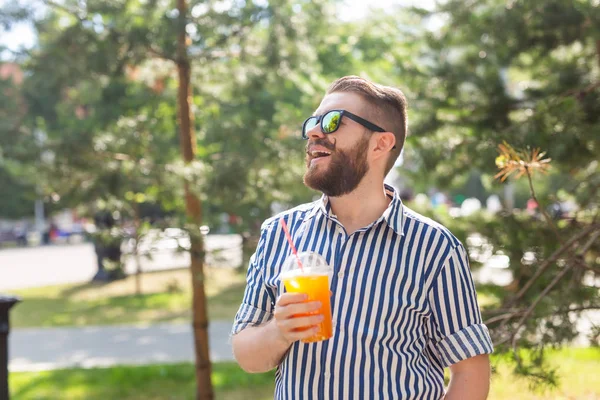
(293, 319)
(261, 348)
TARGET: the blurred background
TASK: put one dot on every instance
(143, 142)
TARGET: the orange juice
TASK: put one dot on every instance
(316, 286)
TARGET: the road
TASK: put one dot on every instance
(57, 264)
(103, 346)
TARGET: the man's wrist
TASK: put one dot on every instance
(279, 340)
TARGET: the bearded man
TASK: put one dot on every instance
(403, 303)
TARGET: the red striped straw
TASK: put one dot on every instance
(289, 239)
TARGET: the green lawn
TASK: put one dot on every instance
(155, 382)
(578, 371)
(166, 296)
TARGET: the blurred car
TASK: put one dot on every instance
(15, 236)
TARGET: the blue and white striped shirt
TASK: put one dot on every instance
(404, 305)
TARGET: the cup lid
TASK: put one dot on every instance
(312, 263)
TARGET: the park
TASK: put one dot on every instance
(144, 143)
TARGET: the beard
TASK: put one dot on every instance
(345, 170)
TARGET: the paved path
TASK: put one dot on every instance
(53, 348)
(103, 346)
(57, 264)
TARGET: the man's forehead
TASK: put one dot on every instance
(341, 101)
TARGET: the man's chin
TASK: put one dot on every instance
(314, 179)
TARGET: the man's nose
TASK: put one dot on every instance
(315, 132)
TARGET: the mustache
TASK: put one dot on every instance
(321, 142)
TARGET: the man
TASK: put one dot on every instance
(403, 302)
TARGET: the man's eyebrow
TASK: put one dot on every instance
(316, 112)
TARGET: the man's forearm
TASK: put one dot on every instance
(259, 349)
(469, 385)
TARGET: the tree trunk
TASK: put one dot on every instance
(194, 212)
(136, 251)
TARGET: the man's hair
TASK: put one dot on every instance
(387, 108)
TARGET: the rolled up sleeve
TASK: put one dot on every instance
(257, 304)
(455, 323)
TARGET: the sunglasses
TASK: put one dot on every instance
(330, 122)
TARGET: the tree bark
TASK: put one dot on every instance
(187, 138)
(598, 50)
(136, 250)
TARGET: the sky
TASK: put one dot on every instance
(22, 34)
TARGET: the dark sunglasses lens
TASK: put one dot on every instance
(331, 121)
(308, 125)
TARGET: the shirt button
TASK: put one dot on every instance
(340, 274)
(327, 375)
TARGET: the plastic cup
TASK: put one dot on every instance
(313, 280)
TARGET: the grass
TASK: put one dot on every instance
(578, 378)
(166, 297)
(154, 382)
(578, 370)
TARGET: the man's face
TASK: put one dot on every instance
(341, 170)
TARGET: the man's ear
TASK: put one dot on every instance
(384, 143)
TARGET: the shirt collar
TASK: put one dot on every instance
(393, 215)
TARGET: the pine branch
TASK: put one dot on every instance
(517, 331)
(513, 314)
(547, 289)
(502, 317)
(22, 52)
(581, 92)
(542, 209)
(74, 13)
(550, 260)
(157, 53)
(216, 54)
(552, 225)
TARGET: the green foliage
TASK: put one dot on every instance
(19, 196)
(102, 86)
(508, 73)
(18, 150)
(524, 73)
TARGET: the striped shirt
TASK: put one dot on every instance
(404, 306)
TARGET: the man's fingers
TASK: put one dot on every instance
(285, 312)
(302, 322)
(291, 298)
(299, 335)
(293, 316)
(303, 308)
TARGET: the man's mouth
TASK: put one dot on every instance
(318, 154)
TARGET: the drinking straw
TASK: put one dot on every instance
(289, 239)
